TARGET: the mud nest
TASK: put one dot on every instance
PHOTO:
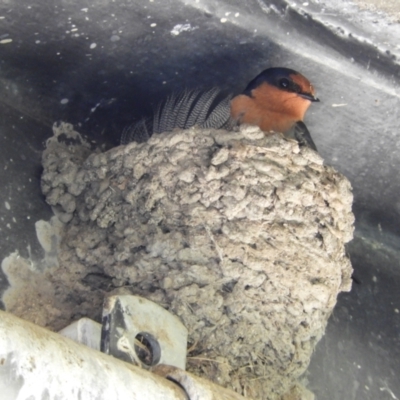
(239, 234)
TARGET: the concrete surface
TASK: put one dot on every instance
(103, 65)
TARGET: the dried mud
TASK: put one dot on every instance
(239, 234)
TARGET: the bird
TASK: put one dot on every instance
(276, 100)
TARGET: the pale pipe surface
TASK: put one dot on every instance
(39, 364)
(197, 388)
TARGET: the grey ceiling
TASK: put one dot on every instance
(114, 61)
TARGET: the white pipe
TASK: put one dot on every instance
(196, 388)
(39, 364)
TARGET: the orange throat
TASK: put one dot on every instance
(269, 108)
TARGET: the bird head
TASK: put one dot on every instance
(275, 99)
(285, 80)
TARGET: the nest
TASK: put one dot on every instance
(239, 234)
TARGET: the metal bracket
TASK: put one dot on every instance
(141, 332)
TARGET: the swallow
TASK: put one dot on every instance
(276, 100)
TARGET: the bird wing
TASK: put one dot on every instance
(183, 110)
(300, 133)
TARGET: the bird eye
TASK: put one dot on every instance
(284, 83)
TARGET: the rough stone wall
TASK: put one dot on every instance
(239, 234)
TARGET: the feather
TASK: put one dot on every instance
(220, 116)
(300, 133)
(201, 107)
(182, 110)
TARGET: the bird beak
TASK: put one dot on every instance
(309, 96)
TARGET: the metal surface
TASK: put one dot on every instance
(141, 332)
(38, 364)
(84, 331)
